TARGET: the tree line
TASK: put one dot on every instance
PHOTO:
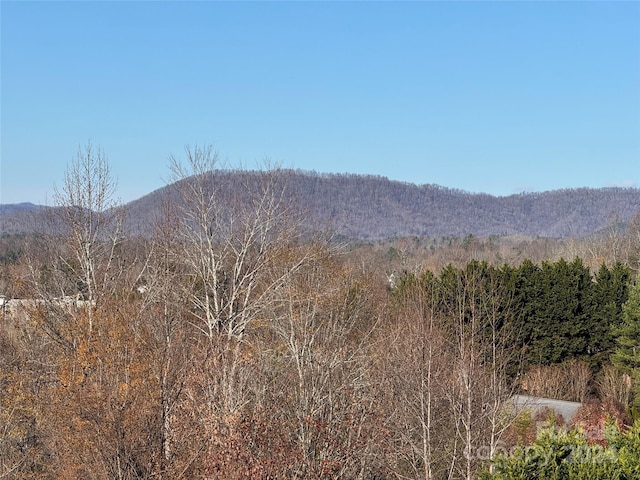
(550, 312)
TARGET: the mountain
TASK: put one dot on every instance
(364, 207)
(12, 208)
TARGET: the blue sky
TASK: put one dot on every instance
(496, 97)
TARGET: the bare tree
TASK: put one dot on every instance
(324, 323)
(418, 363)
(500, 358)
(231, 238)
(170, 342)
(237, 242)
(479, 342)
(82, 236)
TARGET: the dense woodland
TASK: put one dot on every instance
(232, 341)
(369, 208)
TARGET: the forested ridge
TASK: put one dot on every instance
(234, 340)
(362, 207)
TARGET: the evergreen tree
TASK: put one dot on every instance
(627, 355)
(609, 294)
(528, 298)
(554, 307)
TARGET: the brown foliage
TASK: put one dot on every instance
(613, 385)
(593, 417)
(100, 405)
(566, 381)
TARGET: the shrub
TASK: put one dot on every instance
(560, 454)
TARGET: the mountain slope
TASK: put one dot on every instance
(371, 207)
